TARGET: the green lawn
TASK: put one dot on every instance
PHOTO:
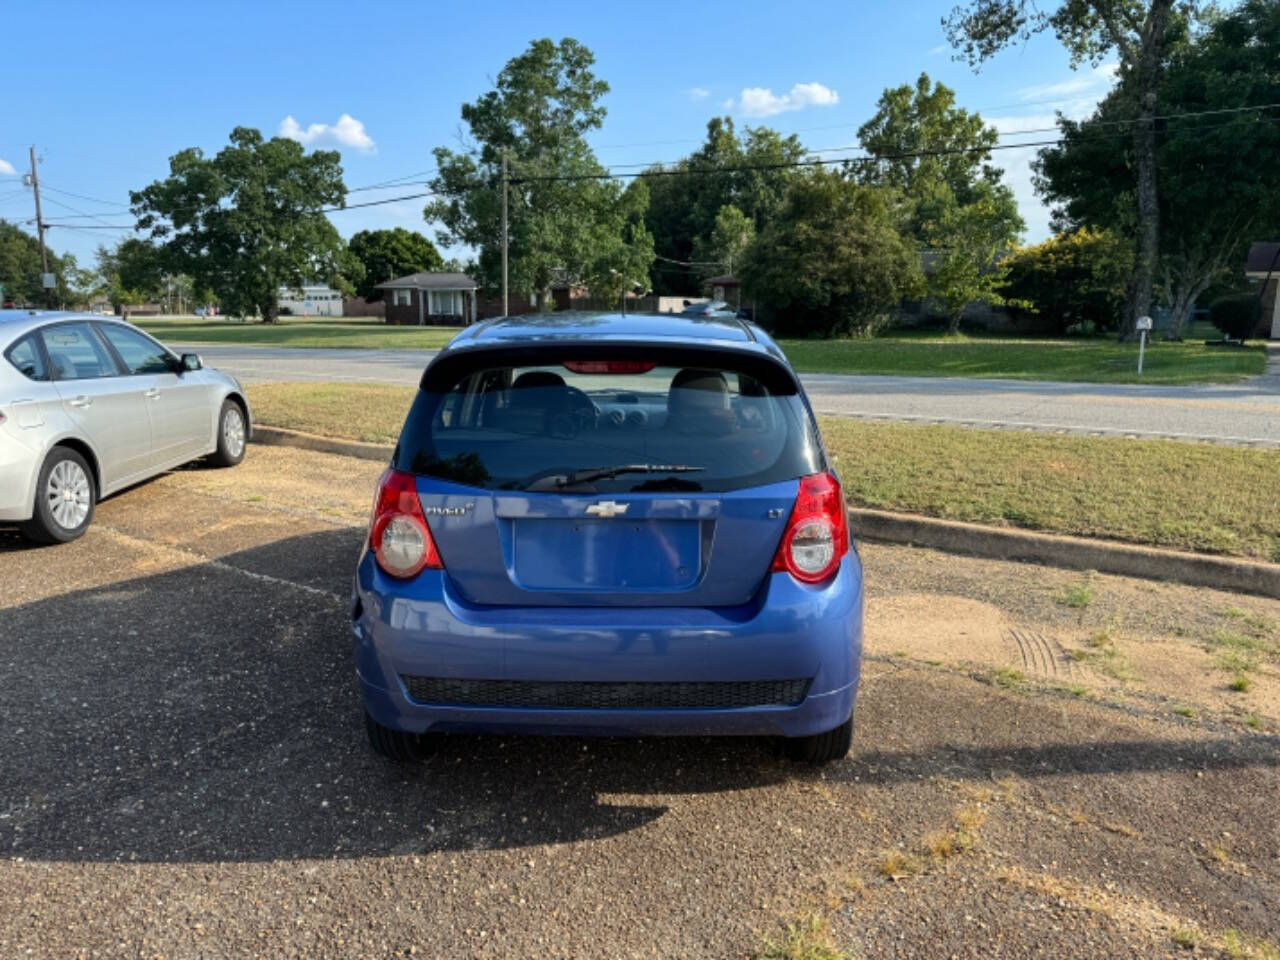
(923, 354)
(1214, 499)
(366, 332)
(1074, 359)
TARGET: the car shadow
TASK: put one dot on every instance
(211, 713)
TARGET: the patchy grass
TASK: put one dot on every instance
(894, 864)
(1077, 596)
(1186, 937)
(1183, 710)
(1091, 360)
(1240, 683)
(1089, 486)
(1104, 656)
(1008, 677)
(804, 939)
(368, 333)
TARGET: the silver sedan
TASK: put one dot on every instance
(90, 405)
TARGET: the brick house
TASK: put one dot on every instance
(447, 299)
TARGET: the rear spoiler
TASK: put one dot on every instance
(451, 366)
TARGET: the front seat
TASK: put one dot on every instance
(698, 403)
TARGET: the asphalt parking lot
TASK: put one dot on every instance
(185, 772)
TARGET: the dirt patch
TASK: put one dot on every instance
(939, 627)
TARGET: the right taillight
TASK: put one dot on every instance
(817, 535)
(398, 532)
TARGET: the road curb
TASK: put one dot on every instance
(953, 536)
(280, 437)
(1072, 553)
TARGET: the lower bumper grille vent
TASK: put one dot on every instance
(448, 691)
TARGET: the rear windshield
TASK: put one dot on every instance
(606, 426)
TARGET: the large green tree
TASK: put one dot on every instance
(248, 221)
(935, 152)
(20, 265)
(566, 217)
(833, 261)
(749, 171)
(386, 254)
(1216, 195)
(969, 243)
(1138, 32)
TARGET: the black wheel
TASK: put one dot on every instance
(822, 748)
(396, 744)
(65, 497)
(233, 432)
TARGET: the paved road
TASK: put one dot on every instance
(1247, 413)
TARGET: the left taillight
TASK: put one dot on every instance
(817, 534)
(398, 533)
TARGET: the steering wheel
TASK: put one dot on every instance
(581, 415)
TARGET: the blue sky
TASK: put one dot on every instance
(111, 91)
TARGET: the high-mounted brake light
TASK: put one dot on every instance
(398, 532)
(608, 366)
(817, 535)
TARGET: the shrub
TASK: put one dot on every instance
(1072, 280)
(1236, 316)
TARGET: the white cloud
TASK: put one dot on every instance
(347, 132)
(763, 102)
(699, 93)
(939, 50)
(1091, 83)
(6, 167)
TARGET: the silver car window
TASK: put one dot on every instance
(75, 353)
(140, 354)
(26, 356)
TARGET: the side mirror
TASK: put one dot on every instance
(190, 362)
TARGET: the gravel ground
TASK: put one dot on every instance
(185, 775)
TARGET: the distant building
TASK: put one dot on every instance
(310, 301)
(1263, 271)
(439, 299)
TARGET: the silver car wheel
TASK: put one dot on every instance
(233, 431)
(68, 493)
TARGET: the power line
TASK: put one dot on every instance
(672, 169)
(378, 203)
(81, 196)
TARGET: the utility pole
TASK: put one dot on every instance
(505, 308)
(44, 257)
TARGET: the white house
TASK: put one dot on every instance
(310, 301)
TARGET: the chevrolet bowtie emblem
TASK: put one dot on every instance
(607, 509)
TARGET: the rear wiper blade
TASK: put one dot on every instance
(591, 474)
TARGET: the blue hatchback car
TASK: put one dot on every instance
(604, 524)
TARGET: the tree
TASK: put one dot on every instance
(934, 152)
(386, 254)
(749, 171)
(833, 260)
(1216, 196)
(248, 221)
(623, 267)
(969, 244)
(1137, 31)
(1073, 279)
(20, 265)
(565, 214)
(732, 234)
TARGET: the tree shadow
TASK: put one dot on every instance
(211, 713)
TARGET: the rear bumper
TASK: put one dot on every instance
(18, 467)
(792, 631)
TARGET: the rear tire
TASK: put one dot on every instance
(396, 744)
(65, 497)
(233, 435)
(822, 748)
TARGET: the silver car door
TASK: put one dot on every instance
(179, 404)
(107, 408)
